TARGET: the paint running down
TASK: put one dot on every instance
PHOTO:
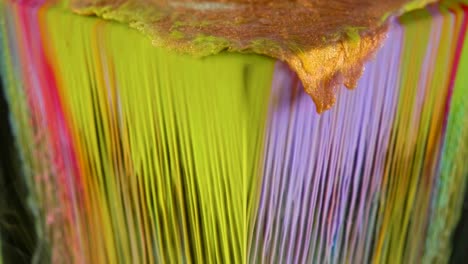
(128, 162)
(326, 42)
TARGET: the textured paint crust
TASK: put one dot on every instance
(326, 42)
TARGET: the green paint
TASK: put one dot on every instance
(453, 179)
(203, 120)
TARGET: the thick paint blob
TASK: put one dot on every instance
(326, 42)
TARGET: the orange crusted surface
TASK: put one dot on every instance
(326, 42)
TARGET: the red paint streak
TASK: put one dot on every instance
(47, 110)
(456, 62)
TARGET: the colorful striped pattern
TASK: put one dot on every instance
(137, 155)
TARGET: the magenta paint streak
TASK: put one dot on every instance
(47, 113)
(59, 128)
(456, 62)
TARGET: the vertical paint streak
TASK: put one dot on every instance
(138, 155)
